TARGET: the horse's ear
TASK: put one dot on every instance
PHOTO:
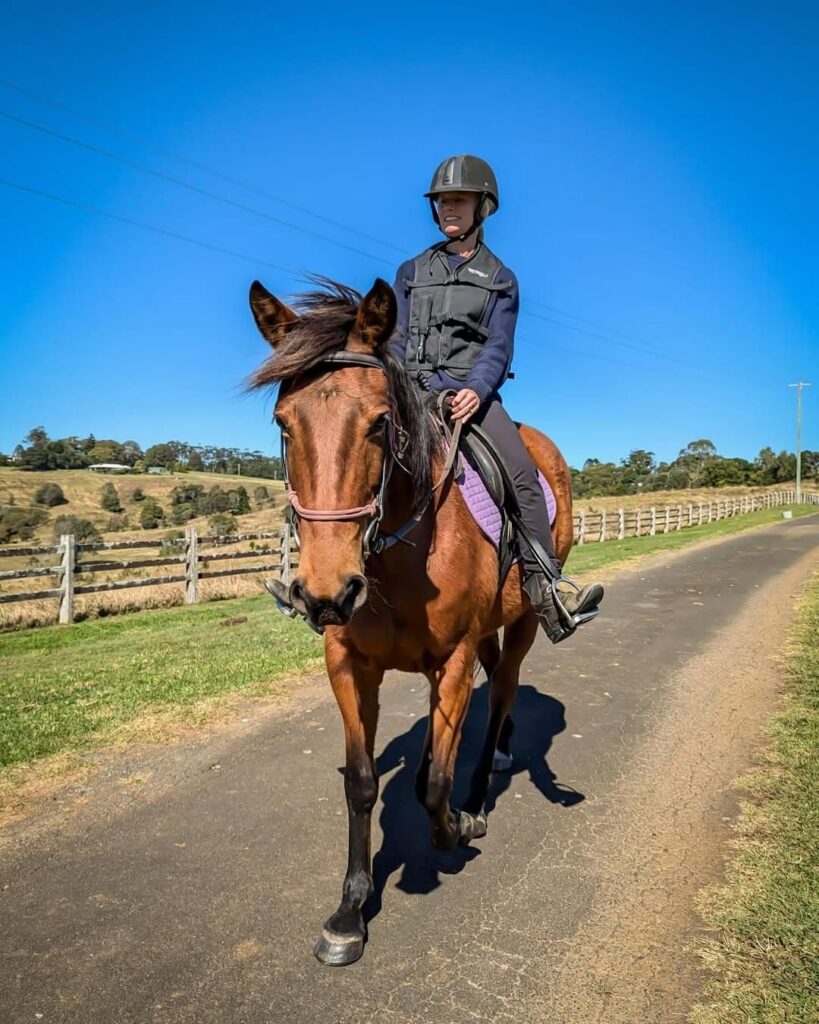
(375, 321)
(271, 315)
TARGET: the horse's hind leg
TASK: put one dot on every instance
(503, 687)
(356, 690)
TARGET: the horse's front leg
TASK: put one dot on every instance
(449, 701)
(355, 684)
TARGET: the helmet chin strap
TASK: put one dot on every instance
(476, 223)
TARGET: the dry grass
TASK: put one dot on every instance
(82, 489)
(695, 496)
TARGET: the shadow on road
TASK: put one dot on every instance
(406, 845)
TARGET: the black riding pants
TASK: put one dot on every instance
(495, 420)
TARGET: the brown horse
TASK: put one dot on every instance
(364, 455)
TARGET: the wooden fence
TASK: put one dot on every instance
(617, 524)
(192, 561)
(186, 554)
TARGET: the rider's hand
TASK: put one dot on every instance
(465, 404)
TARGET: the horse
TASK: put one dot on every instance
(393, 567)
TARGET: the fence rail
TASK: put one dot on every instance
(74, 561)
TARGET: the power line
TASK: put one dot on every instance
(242, 184)
(263, 214)
(148, 144)
(146, 227)
(593, 334)
(186, 185)
(199, 243)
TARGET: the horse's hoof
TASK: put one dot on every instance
(338, 950)
(471, 826)
(501, 762)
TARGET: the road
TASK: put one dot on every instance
(189, 885)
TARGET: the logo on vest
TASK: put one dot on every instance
(480, 273)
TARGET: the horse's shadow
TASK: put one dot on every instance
(404, 822)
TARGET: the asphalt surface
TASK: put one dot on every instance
(198, 899)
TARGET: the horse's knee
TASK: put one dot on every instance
(361, 789)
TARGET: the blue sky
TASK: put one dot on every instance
(658, 169)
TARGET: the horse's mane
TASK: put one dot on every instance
(325, 318)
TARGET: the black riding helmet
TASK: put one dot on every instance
(465, 174)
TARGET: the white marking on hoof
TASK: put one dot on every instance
(501, 762)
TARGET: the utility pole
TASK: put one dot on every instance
(802, 384)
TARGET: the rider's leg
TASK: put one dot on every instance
(495, 420)
(534, 512)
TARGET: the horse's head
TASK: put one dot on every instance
(334, 420)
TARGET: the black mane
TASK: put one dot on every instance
(325, 318)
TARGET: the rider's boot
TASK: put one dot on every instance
(560, 610)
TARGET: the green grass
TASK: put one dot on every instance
(69, 688)
(591, 556)
(765, 959)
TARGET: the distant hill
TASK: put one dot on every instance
(82, 488)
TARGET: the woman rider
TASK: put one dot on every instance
(457, 309)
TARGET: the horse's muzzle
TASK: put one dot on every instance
(330, 611)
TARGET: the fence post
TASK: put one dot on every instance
(621, 524)
(679, 517)
(67, 563)
(286, 553)
(667, 519)
(653, 521)
(602, 526)
(191, 565)
(638, 517)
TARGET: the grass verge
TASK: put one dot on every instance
(590, 557)
(764, 960)
(74, 687)
(65, 689)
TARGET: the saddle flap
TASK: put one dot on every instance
(486, 460)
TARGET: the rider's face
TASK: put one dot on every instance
(456, 212)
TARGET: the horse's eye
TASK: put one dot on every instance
(280, 424)
(377, 427)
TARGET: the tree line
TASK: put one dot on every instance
(40, 452)
(698, 465)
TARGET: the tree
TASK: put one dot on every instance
(50, 495)
(239, 501)
(85, 532)
(161, 455)
(222, 524)
(106, 451)
(19, 523)
(109, 498)
(151, 514)
(195, 462)
(131, 451)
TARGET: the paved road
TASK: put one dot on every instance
(198, 899)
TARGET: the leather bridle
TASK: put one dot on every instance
(395, 442)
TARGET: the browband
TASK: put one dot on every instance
(346, 358)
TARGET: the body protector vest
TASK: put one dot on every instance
(448, 309)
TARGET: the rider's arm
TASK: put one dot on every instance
(492, 365)
(398, 342)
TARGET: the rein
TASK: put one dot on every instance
(373, 542)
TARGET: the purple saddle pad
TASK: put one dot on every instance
(484, 510)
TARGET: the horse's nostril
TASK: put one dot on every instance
(356, 592)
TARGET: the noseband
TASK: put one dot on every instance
(374, 509)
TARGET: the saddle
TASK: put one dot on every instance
(482, 455)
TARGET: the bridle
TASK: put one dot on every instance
(395, 443)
